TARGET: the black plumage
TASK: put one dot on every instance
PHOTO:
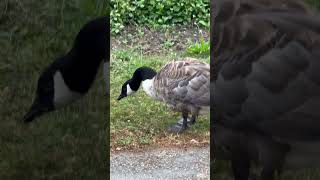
(70, 77)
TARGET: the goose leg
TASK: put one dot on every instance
(273, 160)
(194, 116)
(240, 167)
(185, 121)
(179, 127)
(193, 119)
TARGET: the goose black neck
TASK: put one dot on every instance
(141, 74)
(91, 44)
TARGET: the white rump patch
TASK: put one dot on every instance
(62, 94)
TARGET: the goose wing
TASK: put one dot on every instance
(240, 25)
(184, 82)
(268, 78)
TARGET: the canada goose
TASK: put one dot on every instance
(183, 85)
(266, 85)
(70, 77)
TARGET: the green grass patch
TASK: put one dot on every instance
(201, 48)
(314, 3)
(139, 119)
(69, 143)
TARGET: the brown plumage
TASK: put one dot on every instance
(266, 84)
(184, 85)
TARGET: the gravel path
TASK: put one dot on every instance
(166, 163)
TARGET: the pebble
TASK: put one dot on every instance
(166, 163)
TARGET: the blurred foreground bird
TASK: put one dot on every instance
(70, 77)
(266, 85)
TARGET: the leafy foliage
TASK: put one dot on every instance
(199, 48)
(159, 13)
(314, 3)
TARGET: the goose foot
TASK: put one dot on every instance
(179, 127)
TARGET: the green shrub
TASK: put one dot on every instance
(199, 48)
(314, 3)
(158, 13)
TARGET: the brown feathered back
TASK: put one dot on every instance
(242, 25)
(184, 84)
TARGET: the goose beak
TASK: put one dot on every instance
(120, 97)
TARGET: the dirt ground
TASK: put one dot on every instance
(154, 41)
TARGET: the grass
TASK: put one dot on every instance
(199, 48)
(139, 120)
(69, 143)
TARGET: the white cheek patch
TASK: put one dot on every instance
(129, 90)
(62, 94)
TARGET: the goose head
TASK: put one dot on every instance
(132, 85)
